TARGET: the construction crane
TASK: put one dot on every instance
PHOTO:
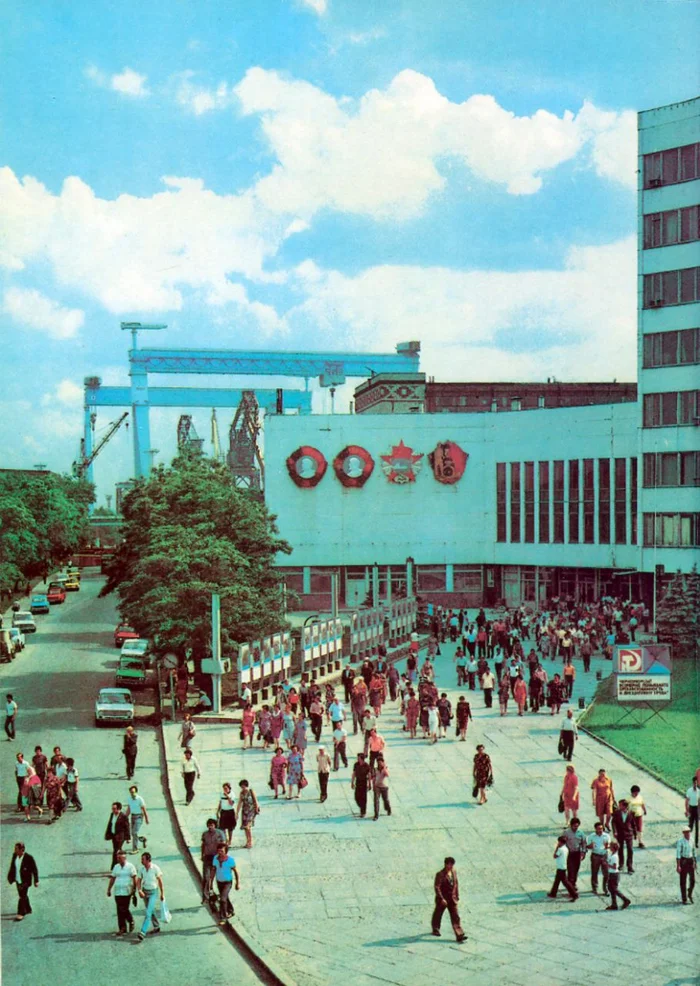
(215, 440)
(244, 458)
(83, 463)
(187, 438)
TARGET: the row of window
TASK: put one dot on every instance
(671, 227)
(518, 502)
(674, 348)
(672, 166)
(674, 407)
(671, 469)
(672, 530)
(672, 287)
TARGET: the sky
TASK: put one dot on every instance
(319, 175)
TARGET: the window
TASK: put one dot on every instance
(430, 578)
(604, 501)
(529, 502)
(501, 501)
(573, 501)
(515, 501)
(671, 408)
(558, 533)
(672, 530)
(468, 578)
(544, 502)
(672, 226)
(671, 287)
(633, 498)
(674, 348)
(671, 166)
(620, 501)
(588, 501)
(671, 469)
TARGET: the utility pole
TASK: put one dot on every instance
(216, 650)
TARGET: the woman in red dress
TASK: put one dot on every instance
(603, 797)
(570, 794)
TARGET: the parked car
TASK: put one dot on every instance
(74, 573)
(24, 621)
(124, 632)
(17, 638)
(72, 584)
(114, 705)
(134, 648)
(56, 593)
(132, 671)
(39, 604)
(7, 646)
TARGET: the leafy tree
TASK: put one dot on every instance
(189, 532)
(677, 614)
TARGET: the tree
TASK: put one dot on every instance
(677, 614)
(189, 532)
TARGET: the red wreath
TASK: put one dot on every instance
(307, 452)
(355, 451)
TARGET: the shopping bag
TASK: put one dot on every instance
(302, 783)
(165, 914)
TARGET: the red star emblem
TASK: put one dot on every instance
(401, 465)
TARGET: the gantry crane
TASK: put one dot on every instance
(82, 465)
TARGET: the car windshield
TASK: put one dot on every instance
(135, 646)
(123, 628)
(38, 599)
(24, 616)
(131, 662)
(121, 698)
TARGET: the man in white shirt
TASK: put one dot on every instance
(339, 750)
(136, 813)
(190, 770)
(21, 772)
(487, 683)
(569, 734)
(686, 864)
(323, 762)
(149, 881)
(598, 843)
(10, 716)
(561, 855)
(691, 807)
(123, 880)
(613, 862)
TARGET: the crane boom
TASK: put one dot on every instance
(85, 461)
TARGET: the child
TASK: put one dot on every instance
(638, 810)
(614, 879)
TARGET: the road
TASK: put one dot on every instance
(69, 937)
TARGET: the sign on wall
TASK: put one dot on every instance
(401, 465)
(448, 462)
(642, 672)
(644, 687)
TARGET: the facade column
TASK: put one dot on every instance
(141, 426)
(449, 578)
(306, 580)
(566, 501)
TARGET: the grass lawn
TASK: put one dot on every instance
(670, 748)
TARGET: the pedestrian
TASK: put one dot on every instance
(472, 667)
(623, 830)
(72, 783)
(446, 887)
(520, 694)
(276, 724)
(289, 726)
(187, 732)
(504, 694)
(599, 843)
(40, 764)
(568, 734)
(483, 773)
(603, 797)
(339, 745)
(32, 794)
(264, 723)
(433, 722)
(323, 765)
(122, 880)
(638, 810)
(190, 770)
(393, 679)
(464, 714)
(561, 854)
(149, 882)
(614, 879)
(248, 725)
(130, 750)
(23, 872)
(487, 684)
(295, 772)
(10, 717)
(692, 796)
(226, 813)
(570, 794)
(22, 769)
(412, 713)
(181, 687)
(211, 837)
(444, 708)
(686, 865)
(576, 843)
(360, 782)
(300, 733)
(569, 678)
(347, 678)
(137, 813)
(316, 716)
(380, 786)
(586, 652)
(225, 872)
(117, 830)
(53, 788)
(278, 770)
(555, 694)
(248, 808)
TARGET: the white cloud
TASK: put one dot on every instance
(318, 6)
(199, 99)
(128, 82)
(66, 392)
(366, 37)
(488, 324)
(614, 143)
(33, 309)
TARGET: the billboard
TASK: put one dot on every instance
(644, 687)
(642, 672)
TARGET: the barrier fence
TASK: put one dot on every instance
(321, 646)
(263, 663)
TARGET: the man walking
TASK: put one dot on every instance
(568, 734)
(598, 843)
(23, 872)
(323, 762)
(614, 880)
(575, 842)
(623, 829)
(211, 839)
(72, 782)
(226, 872)
(136, 813)
(187, 732)
(10, 717)
(686, 865)
(339, 740)
(122, 880)
(561, 855)
(117, 831)
(149, 882)
(130, 750)
(692, 796)
(21, 774)
(487, 683)
(446, 899)
(380, 784)
(360, 782)
(190, 771)
(376, 747)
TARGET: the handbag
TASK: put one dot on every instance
(241, 735)
(475, 790)
(560, 806)
(270, 784)
(560, 747)
(302, 783)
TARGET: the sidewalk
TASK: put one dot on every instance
(327, 897)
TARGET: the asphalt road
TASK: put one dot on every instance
(69, 937)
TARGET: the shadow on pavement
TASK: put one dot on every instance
(407, 940)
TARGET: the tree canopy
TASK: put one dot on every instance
(189, 532)
(679, 612)
(43, 521)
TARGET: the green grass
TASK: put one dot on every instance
(669, 747)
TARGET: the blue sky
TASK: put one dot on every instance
(316, 174)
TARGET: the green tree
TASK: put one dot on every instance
(677, 615)
(189, 532)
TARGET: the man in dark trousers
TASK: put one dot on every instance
(23, 872)
(446, 898)
(130, 750)
(117, 830)
(360, 783)
(623, 829)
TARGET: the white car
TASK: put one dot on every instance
(114, 705)
(24, 621)
(17, 638)
(134, 648)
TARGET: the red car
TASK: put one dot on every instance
(56, 593)
(124, 632)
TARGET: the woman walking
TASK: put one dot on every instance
(264, 724)
(412, 713)
(32, 794)
(603, 797)
(289, 726)
(226, 812)
(464, 714)
(248, 808)
(444, 707)
(300, 733)
(278, 770)
(248, 725)
(520, 694)
(433, 722)
(570, 794)
(54, 794)
(503, 694)
(556, 694)
(276, 724)
(295, 772)
(483, 773)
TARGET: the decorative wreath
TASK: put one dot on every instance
(307, 466)
(353, 466)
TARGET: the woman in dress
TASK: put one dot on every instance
(289, 726)
(603, 797)
(376, 693)
(520, 694)
(54, 794)
(264, 718)
(464, 714)
(300, 733)
(556, 694)
(295, 772)
(503, 694)
(483, 773)
(248, 726)
(226, 812)
(248, 808)
(278, 769)
(433, 722)
(570, 794)
(32, 794)
(276, 725)
(412, 713)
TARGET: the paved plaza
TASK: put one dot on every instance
(328, 896)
